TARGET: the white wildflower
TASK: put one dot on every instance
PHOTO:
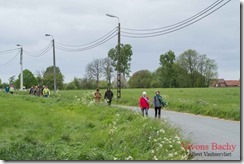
(162, 130)
(170, 146)
(152, 151)
(178, 138)
(129, 158)
(171, 155)
(175, 153)
(155, 158)
(183, 149)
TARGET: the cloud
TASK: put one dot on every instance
(78, 22)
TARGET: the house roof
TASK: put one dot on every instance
(232, 82)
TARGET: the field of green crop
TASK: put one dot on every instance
(70, 126)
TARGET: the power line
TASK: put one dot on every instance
(8, 51)
(104, 40)
(154, 29)
(40, 52)
(82, 45)
(176, 28)
(10, 60)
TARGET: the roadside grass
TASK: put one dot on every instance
(70, 126)
(215, 102)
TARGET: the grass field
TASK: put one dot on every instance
(68, 126)
(216, 102)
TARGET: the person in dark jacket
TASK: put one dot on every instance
(108, 96)
(158, 104)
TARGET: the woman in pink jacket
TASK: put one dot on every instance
(144, 103)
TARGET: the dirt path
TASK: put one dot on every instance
(213, 138)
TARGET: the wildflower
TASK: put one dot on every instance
(155, 158)
(170, 146)
(178, 138)
(129, 158)
(160, 145)
(171, 155)
(162, 130)
(175, 153)
(183, 149)
(115, 158)
(152, 151)
(155, 140)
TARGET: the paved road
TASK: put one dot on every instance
(212, 138)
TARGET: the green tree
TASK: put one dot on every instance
(94, 70)
(11, 80)
(207, 69)
(124, 58)
(140, 79)
(167, 62)
(108, 70)
(28, 79)
(71, 86)
(39, 77)
(189, 61)
(48, 78)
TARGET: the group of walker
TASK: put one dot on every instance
(108, 96)
(39, 91)
(158, 103)
(144, 102)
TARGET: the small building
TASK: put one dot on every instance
(225, 83)
(232, 83)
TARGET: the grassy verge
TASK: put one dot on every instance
(69, 126)
(216, 102)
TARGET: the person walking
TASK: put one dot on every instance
(11, 89)
(7, 89)
(97, 95)
(46, 92)
(144, 103)
(108, 96)
(158, 104)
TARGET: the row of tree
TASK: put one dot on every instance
(42, 78)
(189, 69)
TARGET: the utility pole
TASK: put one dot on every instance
(54, 68)
(21, 67)
(54, 65)
(119, 66)
(118, 62)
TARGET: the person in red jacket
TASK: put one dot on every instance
(144, 103)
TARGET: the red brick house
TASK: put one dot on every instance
(225, 83)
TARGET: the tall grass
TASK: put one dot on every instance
(69, 126)
(216, 102)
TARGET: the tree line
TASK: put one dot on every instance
(189, 69)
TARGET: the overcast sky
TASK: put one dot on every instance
(77, 22)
